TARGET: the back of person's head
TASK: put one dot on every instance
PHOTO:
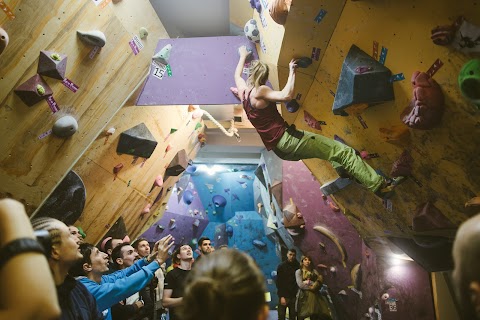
(292, 250)
(258, 73)
(53, 227)
(466, 275)
(86, 250)
(225, 285)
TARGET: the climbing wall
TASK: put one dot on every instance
(308, 30)
(33, 161)
(331, 240)
(129, 193)
(201, 72)
(443, 169)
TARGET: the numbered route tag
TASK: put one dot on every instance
(158, 70)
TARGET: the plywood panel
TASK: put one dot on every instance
(110, 197)
(31, 167)
(445, 163)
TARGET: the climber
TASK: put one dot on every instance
(286, 141)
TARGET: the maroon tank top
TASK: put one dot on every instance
(268, 122)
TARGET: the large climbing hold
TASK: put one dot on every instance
(137, 141)
(362, 80)
(426, 109)
(65, 126)
(163, 55)
(178, 164)
(469, 81)
(52, 64)
(3, 40)
(33, 90)
(94, 37)
(403, 166)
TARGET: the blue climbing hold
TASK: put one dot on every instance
(187, 197)
(219, 201)
(229, 231)
(259, 244)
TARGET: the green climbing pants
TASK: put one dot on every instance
(297, 145)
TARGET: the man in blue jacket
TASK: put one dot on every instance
(112, 288)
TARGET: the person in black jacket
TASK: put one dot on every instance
(76, 302)
(287, 286)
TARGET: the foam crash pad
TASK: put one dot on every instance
(201, 72)
(67, 201)
(137, 141)
(178, 165)
(362, 80)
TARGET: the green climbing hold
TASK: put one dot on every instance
(40, 89)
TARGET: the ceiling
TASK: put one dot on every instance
(194, 18)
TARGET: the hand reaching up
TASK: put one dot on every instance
(163, 245)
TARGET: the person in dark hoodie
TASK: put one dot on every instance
(76, 302)
(287, 286)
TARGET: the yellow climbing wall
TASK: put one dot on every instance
(126, 194)
(446, 158)
(309, 27)
(31, 167)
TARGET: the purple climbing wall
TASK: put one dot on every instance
(407, 283)
(201, 72)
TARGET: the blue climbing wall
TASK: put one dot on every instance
(236, 185)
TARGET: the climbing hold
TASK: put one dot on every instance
(229, 230)
(52, 64)
(333, 269)
(94, 37)
(160, 227)
(3, 40)
(33, 90)
(292, 106)
(137, 141)
(311, 121)
(188, 197)
(143, 32)
(251, 31)
(178, 164)
(191, 169)
(322, 246)
(426, 109)
(146, 209)
(335, 240)
(255, 4)
(322, 266)
(342, 293)
(163, 55)
(402, 167)
(196, 223)
(65, 126)
(304, 62)
(219, 201)
(385, 296)
(469, 81)
(259, 244)
(158, 182)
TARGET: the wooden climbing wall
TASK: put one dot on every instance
(445, 158)
(125, 195)
(31, 162)
(310, 25)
